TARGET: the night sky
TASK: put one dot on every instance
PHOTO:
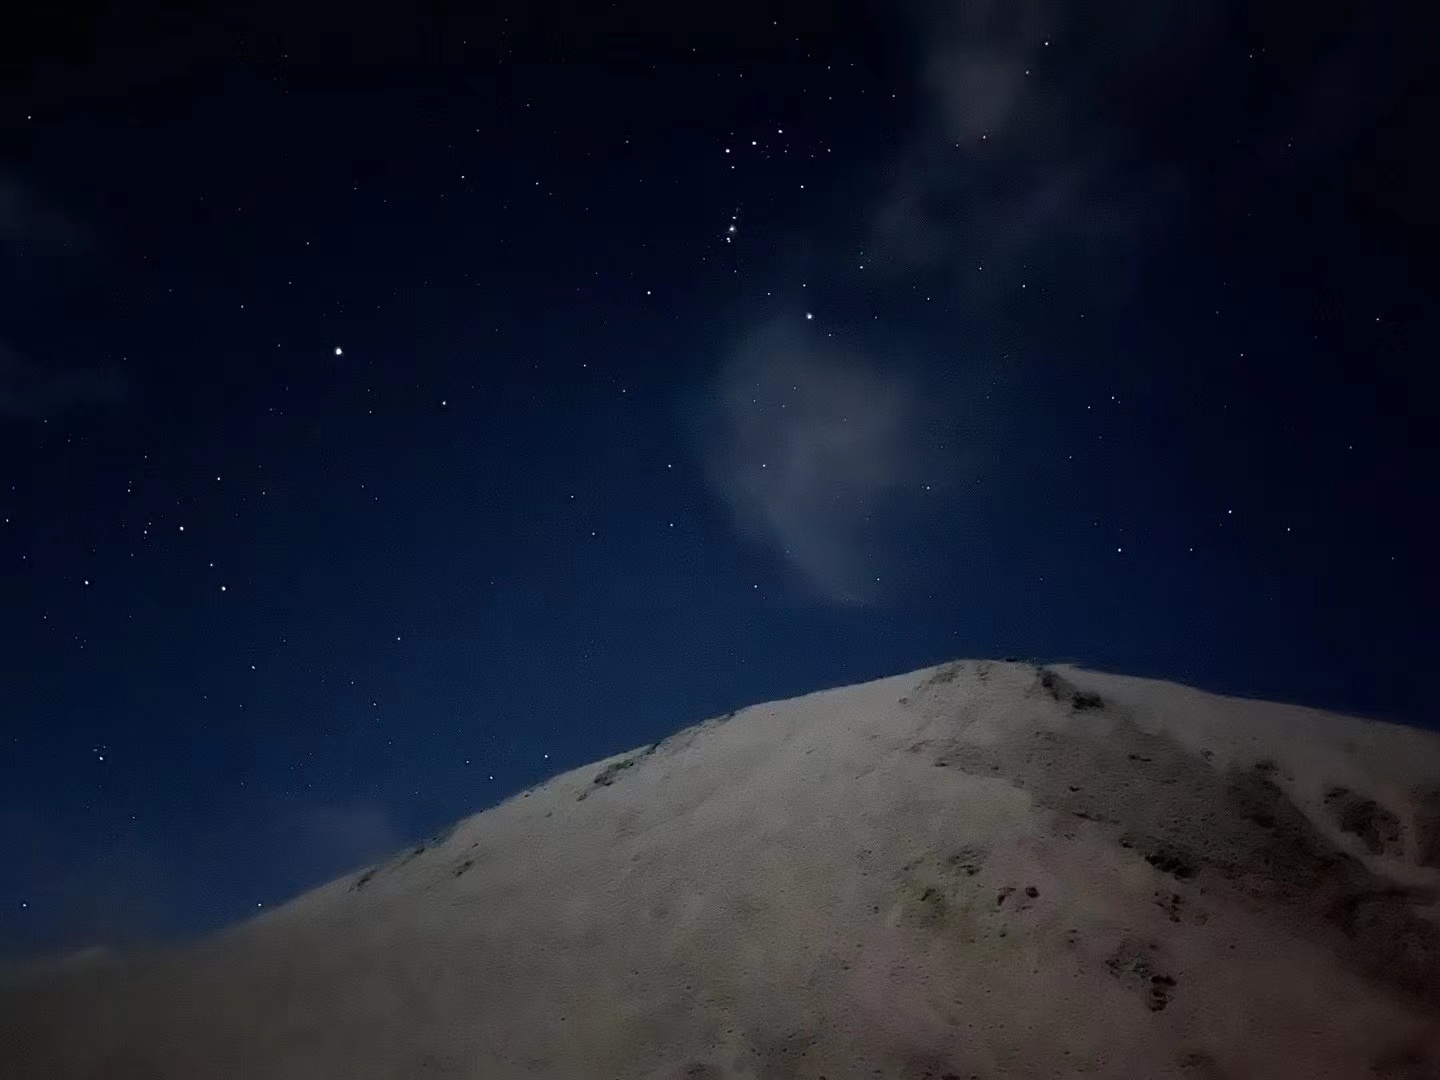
(401, 404)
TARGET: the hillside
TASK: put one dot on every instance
(983, 869)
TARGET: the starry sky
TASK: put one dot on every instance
(400, 404)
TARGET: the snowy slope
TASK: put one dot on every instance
(978, 870)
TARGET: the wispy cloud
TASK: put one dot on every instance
(1027, 150)
(1053, 133)
(819, 452)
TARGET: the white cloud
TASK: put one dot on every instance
(821, 453)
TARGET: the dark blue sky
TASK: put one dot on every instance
(399, 405)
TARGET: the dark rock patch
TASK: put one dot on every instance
(1178, 864)
(1173, 904)
(441, 838)
(1427, 826)
(1161, 987)
(947, 674)
(925, 906)
(606, 776)
(930, 897)
(363, 880)
(392, 864)
(612, 772)
(1136, 966)
(1063, 690)
(967, 860)
(782, 1056)
(1377, 827)
(1237, 829)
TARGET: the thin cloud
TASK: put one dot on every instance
(818, 453)
(1024, 154)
